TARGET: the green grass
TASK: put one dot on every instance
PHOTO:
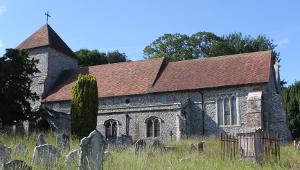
(180, 158)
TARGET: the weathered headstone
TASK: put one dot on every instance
(16, 165)
(200, 146)
(21, 148)
(298, 146)
(92, 151)
(72, 159)
(63, 141)
(46, 155)
(5, 153)
(193, 147)
(157, 145)
(140, 146)
(40, 140)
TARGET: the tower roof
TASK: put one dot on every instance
(46, 37)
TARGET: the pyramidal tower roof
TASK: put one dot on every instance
(46, 37)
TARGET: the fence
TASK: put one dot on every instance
(259, 146)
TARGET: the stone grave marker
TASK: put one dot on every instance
(46, 155)
(200, 146)
(140, 145)
(92, 151)
(72, 159)
(16, 165)
(21, 148)
(40, 140)
(63, 141)
(5, 153)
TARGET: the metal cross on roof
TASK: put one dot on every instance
(47, 15)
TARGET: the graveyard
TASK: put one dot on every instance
(167, 155)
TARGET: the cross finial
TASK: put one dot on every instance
(47, 15)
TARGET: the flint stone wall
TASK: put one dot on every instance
(168, 107)
(51, 64)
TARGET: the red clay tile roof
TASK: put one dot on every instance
(119, 79)
(46, 36)
(154, 76)
(231, 70)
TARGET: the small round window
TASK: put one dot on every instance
(127, 101)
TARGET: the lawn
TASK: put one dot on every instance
(179, 158)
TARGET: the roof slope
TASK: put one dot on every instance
(46, 36)
(231, 70)
(119, 79)
(152, 76)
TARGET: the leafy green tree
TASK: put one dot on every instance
(291, 98)
(116, 57)
(176, 47)
(84, 105)
(94, 57)
(16, 70)
(90, 57)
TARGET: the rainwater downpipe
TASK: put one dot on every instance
(202, 109)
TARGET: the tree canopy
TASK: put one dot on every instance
(291, 98)
(84, 105)
(94, 57)
(176, 47)
(16, 70)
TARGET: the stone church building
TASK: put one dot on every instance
(157, 99)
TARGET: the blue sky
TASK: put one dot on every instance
(130, 25)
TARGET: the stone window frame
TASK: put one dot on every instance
(229, 97)
(111, 121)
(153, 119)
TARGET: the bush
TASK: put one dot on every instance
(84, 105)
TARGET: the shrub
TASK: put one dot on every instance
(84, 105)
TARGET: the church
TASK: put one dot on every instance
(156, 99)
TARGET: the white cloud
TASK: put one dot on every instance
(2, 9)
(283, 42)
(1, 44)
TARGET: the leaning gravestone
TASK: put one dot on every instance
(140, 145)
(40, 140)
(63, 141)
(46, 155)
(72, 159)
(21, 148)
(16, 165)
(4, 154)
(92, 151)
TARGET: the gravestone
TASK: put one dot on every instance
(92, 151)
(46, 155)
(5, 153)
(157, 145)
(200, 146)
(21, 148)
(193, 147)
(16, 165)
(40, 140)
(72, 159)
(140, 145)
(63, 141)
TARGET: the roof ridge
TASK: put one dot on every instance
(221, 56)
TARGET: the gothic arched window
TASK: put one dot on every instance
(227, 111)
(153, 127)
(111, 128)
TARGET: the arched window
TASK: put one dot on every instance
(227, 111)
(233, 110)
(153, 127)
(149, 128)
(111, 128)
(220, 111)
(156, 128)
